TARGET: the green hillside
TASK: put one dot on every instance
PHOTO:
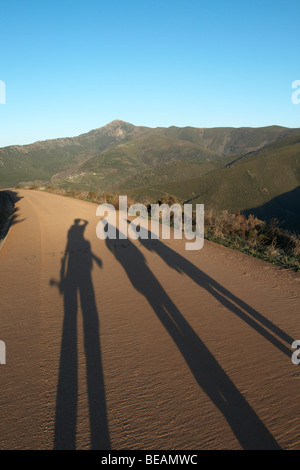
(229, 140)
(133, 159)
(145, 160)
(249, 169)
(167, 173)
(249, 183)
(42, 160)
(66, 161)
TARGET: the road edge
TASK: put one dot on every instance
(7, 225)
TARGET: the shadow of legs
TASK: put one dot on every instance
(67, 391)
(96, 391)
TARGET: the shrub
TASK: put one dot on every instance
(254, 236)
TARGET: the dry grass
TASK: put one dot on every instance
(254, 236)
(248, 234)
(92, 196)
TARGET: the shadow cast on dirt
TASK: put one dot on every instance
(245, 312)
(249, 430)
(75, 281)
(8, 211)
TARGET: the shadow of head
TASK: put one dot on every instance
(80, 222)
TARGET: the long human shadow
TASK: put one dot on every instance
(244, 422)
(75, 281)
(234, 304)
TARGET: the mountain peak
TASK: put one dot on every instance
(119, 123)
(117, 128)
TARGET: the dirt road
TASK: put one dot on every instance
(141, 345)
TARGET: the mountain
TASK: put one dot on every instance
(265, 182)
(132, 158)
(41, 160)
(248, 169)
(228, 141)
(66, 160)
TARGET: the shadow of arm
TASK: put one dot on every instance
(98, 260)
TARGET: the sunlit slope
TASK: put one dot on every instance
(42, 160)
(163, 156)
(229, 140)
(103, 157)
(134, 158)
(249, 182)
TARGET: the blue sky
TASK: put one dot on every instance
(72, 66)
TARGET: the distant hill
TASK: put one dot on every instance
(265, 182)
(42, 160)
(168, 172)
(133, 158)
(66, 160)
(248, 169)
(228, 141)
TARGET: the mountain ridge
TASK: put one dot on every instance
(224, 167)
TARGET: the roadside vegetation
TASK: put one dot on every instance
(254, 237)
(6, 212)
(90, 196)
(248, 234)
